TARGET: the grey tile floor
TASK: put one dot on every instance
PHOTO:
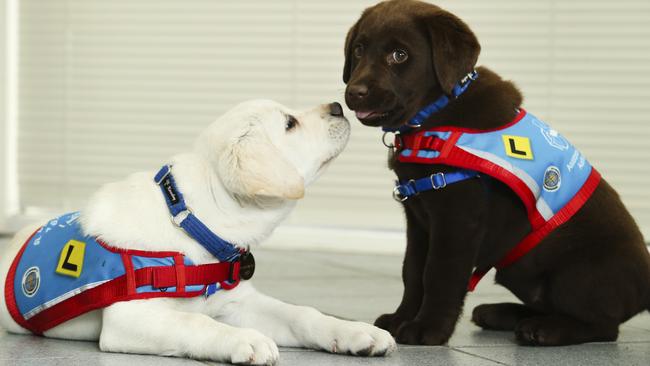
(359, 287)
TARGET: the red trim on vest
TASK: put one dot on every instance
(123, 288)
(10, 297)
(533, 239)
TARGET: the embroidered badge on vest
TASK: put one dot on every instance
(31, 281)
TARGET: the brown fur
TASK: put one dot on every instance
(578, 285)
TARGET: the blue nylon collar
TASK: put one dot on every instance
(436, 106)
(183, 217)
(406, 189)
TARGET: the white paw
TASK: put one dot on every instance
(250, 347)
(361, 339)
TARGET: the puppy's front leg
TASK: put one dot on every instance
(155, 327)
(412, 274)
(453, 245)
(302, 326)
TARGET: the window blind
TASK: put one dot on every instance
(107, 88)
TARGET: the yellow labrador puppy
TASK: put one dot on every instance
(121, 272)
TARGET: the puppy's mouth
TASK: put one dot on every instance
(373, 118)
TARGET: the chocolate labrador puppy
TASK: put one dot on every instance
(581, 280)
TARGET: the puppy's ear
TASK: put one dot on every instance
(252, 166)
(455, 47)
(347, 67)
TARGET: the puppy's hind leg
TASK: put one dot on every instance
(503, 316)
(560, 330)
(154, 327)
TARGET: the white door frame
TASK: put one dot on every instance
(9, 203)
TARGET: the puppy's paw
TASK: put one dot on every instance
(421, 333)
(250, 347)
(390, 322)
(360, 339)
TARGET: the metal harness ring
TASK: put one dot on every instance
(392, 145)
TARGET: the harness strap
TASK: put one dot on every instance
(167, 276)
(440, 103)
(413, 187)
(183, 217)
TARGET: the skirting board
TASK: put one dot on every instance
(337, 240)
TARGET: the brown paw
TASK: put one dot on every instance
(557, 330)
(420, 333)
(533, 332)
(390, 322)
(494, 317)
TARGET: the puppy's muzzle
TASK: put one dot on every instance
(336, 110)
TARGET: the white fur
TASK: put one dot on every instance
(241, 180)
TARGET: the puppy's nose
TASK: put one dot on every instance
(358, 91)
(336, 110)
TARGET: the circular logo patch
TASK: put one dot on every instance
(31, 281)
(552, 179)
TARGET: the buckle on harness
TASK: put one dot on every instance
(181, 216)
(167, 173)
(442, 178)
(470, 76)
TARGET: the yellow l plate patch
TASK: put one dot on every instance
(72, 259)
(518, 147)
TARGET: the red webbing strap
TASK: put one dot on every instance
(128, 269)
(417, 141)
(179, 265)
(117, 290)
(475, 279)
(533, 239)
(204, 274)
(449, 144)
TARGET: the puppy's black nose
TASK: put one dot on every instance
(357, 91)
(336, 110)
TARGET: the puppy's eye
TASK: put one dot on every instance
(292, 122)
(398, 57)
(358, 51)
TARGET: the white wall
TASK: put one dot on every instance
(111, 87)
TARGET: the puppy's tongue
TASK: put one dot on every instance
(362, 115)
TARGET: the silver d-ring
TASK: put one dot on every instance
(383, 140)
(397, 195)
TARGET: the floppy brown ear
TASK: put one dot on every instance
(252, 166)
(455, 48)
(347, 67)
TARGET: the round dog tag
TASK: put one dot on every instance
(246, 265)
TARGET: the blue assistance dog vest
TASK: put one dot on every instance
(550, 176)
(60, 273)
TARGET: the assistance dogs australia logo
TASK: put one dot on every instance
(552, 179)
(31, 281)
